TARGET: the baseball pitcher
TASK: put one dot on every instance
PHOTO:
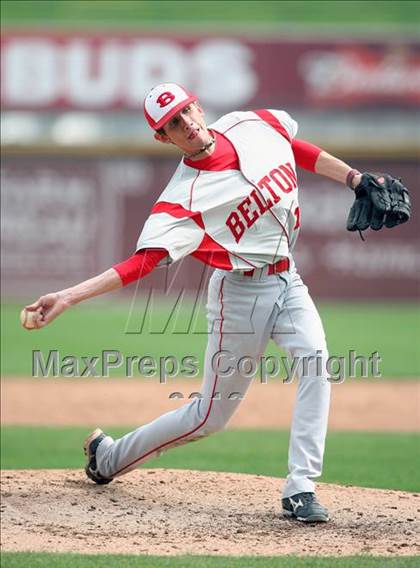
(233, 203)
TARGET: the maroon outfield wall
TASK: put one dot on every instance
(67, 218)
(52, 70)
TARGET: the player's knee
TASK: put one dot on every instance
(215, 422)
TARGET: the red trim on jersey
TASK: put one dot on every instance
(224, 156)
(202, 423)
(268, 117)
(306, 154)
(178, 211)
(212, 253)
(209, 251)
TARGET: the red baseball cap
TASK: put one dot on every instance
(163, 101)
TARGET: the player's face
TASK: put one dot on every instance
(187, 129)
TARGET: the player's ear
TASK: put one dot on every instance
(162, 138)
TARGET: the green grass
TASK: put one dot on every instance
(389, 461)
(86, 330)
(39, 560)
(137, 13)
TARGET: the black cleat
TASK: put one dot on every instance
(304, 507)
(89, 447)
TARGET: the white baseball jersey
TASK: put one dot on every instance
(234, 220)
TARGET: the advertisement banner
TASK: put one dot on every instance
(51, 70)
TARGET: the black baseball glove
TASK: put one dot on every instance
(380, 200)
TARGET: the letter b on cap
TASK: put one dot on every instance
(165, 98)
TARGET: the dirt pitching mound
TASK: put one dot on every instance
(171, 512)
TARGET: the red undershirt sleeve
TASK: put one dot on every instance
(139, 265)
(306, 154)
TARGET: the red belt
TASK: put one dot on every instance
(279, 266)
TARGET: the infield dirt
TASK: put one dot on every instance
(168, 512)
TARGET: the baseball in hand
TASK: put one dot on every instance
(28, 319)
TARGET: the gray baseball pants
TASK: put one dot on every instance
(243, 314)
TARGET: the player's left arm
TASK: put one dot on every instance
(337, 170)
(313, 159)
(380, 199)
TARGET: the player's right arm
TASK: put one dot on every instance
(50, 306)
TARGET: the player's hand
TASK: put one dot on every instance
(47, 308)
